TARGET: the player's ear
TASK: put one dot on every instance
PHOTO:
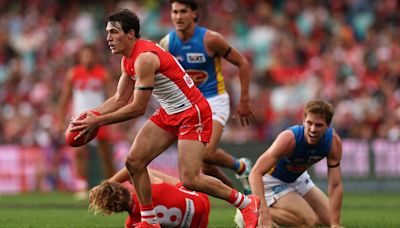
(195, 15)
(131, 34)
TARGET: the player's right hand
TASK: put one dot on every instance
(244, 113)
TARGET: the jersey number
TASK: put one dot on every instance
(168, 216)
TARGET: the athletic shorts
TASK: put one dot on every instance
(220, 108)
(275, 188)
(194, 123)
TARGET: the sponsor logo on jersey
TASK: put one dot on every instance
(297, 168)
(198, 76)
(313, 159)
(188, 80)
(279, 188)
(189, 213)
(195, 57)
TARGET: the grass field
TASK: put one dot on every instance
(60, 210)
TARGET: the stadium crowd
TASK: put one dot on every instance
(342, 51)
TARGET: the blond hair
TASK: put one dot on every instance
(108, 198)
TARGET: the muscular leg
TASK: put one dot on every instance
(190, 154)
(298, 206)
(105, 153)
(148, 144)
(320, 203)
(284, 217)
(217, 156)
(215, 171)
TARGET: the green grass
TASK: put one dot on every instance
(60, 210)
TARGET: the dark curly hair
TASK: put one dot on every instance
(127, 19)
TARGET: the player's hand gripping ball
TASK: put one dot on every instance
(70, 135)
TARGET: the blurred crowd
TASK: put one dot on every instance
(342, 51)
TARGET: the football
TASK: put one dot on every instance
(70, 135)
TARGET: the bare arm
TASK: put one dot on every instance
(122, 95)
(335, 188)
(109, 83)
(217, 45)
(155, 177)
(145, 67)
(164, 177)
(121, 176)
(282, 146)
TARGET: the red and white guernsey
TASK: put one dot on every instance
(88, 87)
(175, 206)
(173, 88)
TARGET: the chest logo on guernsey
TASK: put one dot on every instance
(195, 58)
(198, 76)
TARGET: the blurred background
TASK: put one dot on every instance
(344, 51)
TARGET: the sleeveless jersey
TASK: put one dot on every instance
(175, 206)
(173, 88)
(303, 156)
(204, 69)
(88, 87)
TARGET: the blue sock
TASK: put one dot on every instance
(236, 165)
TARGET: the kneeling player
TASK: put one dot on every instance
(180, 208)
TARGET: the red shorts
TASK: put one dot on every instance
(194, 123)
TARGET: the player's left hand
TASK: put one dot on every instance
(245, 113)
(86, 125)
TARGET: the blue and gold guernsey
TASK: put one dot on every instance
(303, 156)
(204, 69)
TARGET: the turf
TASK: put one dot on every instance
(61, 210)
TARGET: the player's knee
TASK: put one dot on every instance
(310, 220)
(189, 182)
(207, 168)
(208, 158)
(324, 222)
(134, 165)
(209, 153)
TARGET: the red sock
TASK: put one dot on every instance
(148, 214)
(238, 200)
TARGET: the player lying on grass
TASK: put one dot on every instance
(280, 176)
(174, 205)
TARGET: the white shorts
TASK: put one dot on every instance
(275, 188)
(220, 107)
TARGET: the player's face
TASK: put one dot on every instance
(182, 16)
(117, 40)
(314, 128)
